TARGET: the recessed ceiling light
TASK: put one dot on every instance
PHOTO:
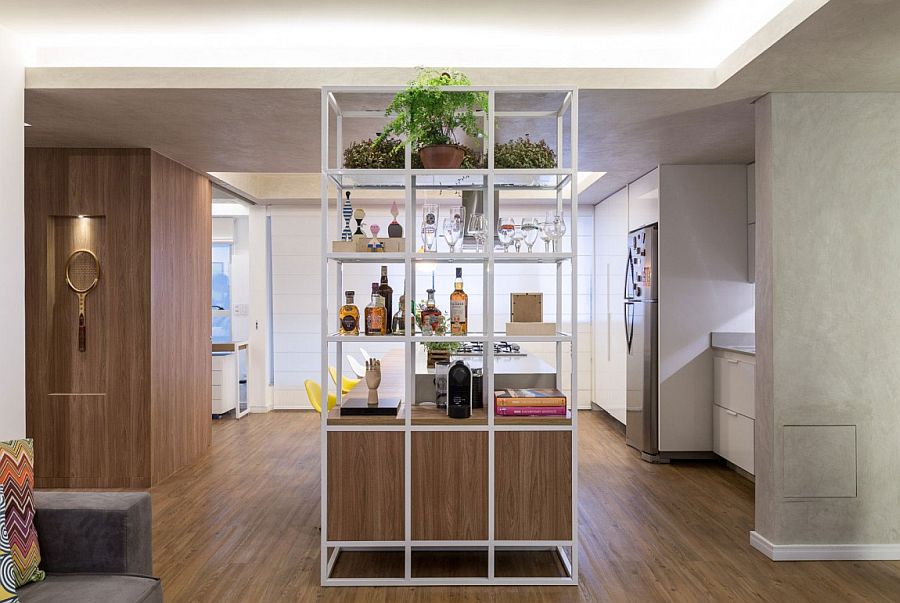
(27, 125)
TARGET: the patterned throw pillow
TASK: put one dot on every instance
(7, 565)
(17, 479)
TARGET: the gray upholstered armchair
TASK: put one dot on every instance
(95, 546)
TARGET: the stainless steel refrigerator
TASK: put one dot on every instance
(642, 341)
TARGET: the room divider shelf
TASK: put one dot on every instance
(421, 498)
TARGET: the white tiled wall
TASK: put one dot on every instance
(611, 246)
(297, 298)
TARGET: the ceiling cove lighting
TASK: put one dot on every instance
(644, 34)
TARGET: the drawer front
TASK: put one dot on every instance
(217, 377)
(216, 392)
(733, 437)
(735, 385)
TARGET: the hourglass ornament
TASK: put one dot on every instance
(347, 211)
(395, 231)
(375, 244)
(359, 214)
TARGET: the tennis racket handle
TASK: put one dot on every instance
(82, 335)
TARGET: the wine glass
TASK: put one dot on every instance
(429, 226)
(518, 235)
(506, 228)
(530, 227)
(477, 228)
(459, 215)
(452, 231)
(546, 227)
(557, 227)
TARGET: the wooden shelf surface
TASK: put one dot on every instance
(430, 415)
(544, 420)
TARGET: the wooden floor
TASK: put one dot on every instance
(241, 525)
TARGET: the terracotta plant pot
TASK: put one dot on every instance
(441, 157)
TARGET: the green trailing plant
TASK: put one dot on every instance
(523, 153)
(442, 328)
(426, 115)
(374, 154)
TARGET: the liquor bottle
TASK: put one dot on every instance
(398, 325)
(385, 291)
(431, 316)
(459, 307)
(376, 318)
(349, 316)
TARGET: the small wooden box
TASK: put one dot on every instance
(526, 307)
(395, 245)
(530, 328)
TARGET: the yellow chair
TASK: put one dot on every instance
(314, 392)
(348, 383)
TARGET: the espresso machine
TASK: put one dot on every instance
(459, 390)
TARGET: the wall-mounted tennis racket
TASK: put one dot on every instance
(82, 275)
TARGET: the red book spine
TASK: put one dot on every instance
(523, 411)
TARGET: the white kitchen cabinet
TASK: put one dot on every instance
(733, 437)
(751, 253)
(733, 383)
(734, 407)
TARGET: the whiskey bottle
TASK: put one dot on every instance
(431, 317)
(398, 324)
(385, 291)
(376, 318)
(459, 307)
(349, 316)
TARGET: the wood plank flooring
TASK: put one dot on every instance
(241, 525)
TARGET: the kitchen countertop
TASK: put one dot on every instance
(740, 349)
(742, 343)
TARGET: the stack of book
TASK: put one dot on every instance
(529, 403)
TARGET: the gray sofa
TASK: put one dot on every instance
(95, 546)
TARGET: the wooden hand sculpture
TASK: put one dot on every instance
(373, 380)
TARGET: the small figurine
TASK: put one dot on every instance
(346, 233)
(375, 244)
(359, 214)
(373, 380)
(395, 231)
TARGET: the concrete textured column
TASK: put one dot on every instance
(828, 326)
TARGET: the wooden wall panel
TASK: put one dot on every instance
(180, 294)
(533, 485)
(91, 414)
(365, 485)
(72, 371)
(450, 485)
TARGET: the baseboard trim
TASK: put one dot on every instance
(824, 552)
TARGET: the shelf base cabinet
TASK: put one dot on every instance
(365, 485)
(450, 485)
(734, 408)
(533, 485)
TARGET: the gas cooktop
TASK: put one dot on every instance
(476, 348)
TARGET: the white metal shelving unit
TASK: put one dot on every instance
(561, 179)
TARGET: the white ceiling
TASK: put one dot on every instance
(389, 33)
(255, 121)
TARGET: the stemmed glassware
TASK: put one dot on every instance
(478, 230)
(518, 236)
(506, 229)
(429, 226)
(453, 232)
(458, 216)
(545, 235)
(555, 227)
(530, 228)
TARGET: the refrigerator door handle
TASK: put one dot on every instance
(629, 324)
(629, 272)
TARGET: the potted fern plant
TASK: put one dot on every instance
(431, 118)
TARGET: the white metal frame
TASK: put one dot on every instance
(406, 179)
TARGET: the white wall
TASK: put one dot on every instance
(702, 288)
(610, 354)
(297, 300)
(12, 239)
(260, 391)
